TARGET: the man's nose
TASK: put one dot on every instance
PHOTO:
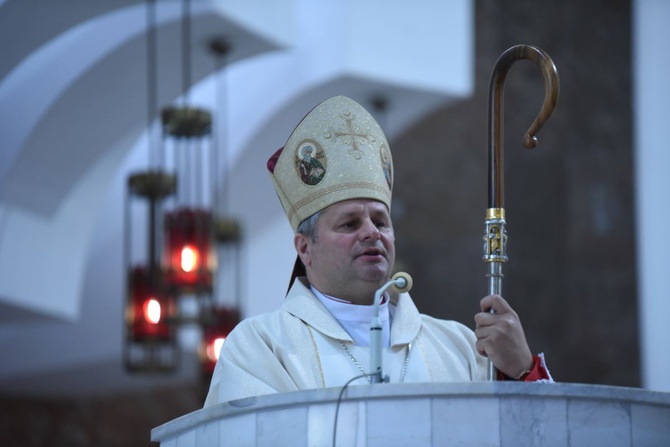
(370, 231)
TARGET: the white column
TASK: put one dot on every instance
(651, 87)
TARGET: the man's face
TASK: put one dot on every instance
(354, 251)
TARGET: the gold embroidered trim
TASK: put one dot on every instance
(318, 357)
(425, 357)
(339, 187)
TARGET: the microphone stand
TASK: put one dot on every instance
(402, 282)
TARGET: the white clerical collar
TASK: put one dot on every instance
(356, 318)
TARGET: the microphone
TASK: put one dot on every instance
(401, 282)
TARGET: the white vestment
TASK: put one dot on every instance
(300, 346)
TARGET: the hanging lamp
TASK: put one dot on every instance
(150, 337)
(189, 256)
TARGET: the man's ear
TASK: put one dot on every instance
(302, 247)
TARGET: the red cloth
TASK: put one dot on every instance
(272, 162)
(539, 371)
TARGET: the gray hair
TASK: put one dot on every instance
(308, 227)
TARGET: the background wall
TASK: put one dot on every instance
(569, 202)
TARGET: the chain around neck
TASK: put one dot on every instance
(358, 365)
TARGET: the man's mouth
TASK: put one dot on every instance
(372, 252)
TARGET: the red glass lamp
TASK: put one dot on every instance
(149, 312)
(189, 256)
(223, 321)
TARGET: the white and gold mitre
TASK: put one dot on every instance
(337, 152)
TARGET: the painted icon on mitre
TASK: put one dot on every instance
(310, 162)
